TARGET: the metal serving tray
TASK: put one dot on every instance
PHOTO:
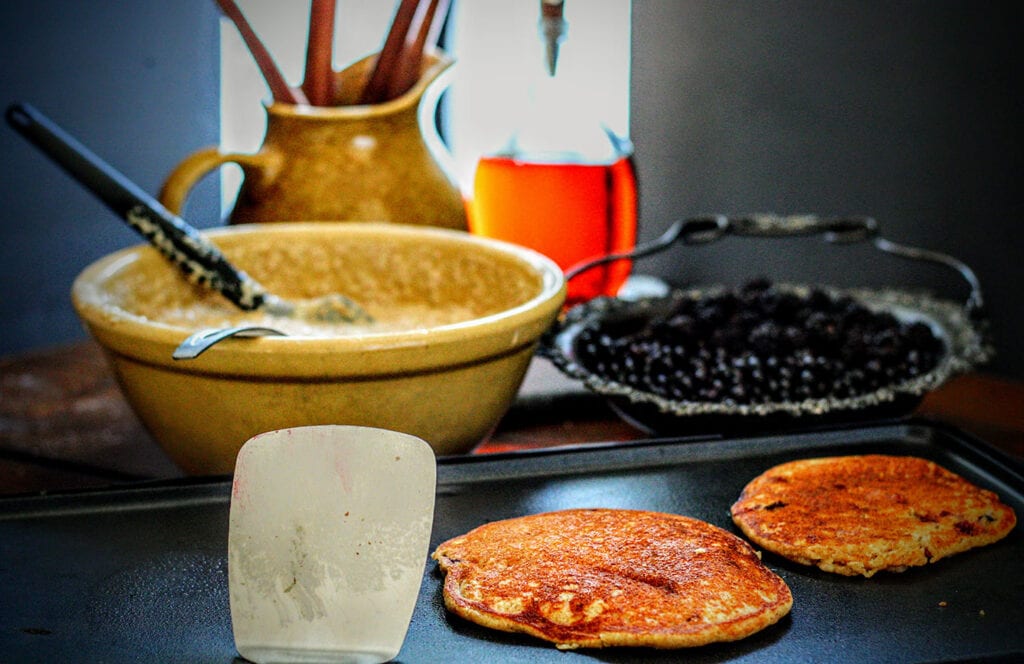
(139, 574)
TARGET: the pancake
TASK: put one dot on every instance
(857, 515)
(605, 577)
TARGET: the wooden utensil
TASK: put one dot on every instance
(318, 83)
(279, 88)
(426, 23)
(415, 25)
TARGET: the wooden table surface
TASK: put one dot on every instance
(64, 424)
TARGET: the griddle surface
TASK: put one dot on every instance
(140, 574)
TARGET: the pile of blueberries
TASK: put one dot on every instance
(760, 344)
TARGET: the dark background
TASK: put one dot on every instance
(135, 81)
(910, 112)
(907, 111)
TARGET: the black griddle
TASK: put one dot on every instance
(140, 574)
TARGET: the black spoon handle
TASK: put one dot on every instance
(200, 260)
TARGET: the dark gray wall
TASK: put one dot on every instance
(910, 112)
(135, 81)
(907, 111)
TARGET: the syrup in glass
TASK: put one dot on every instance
(562, 183)
(571, 211)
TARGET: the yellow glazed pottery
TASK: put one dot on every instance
(347, 162)
(447, 383)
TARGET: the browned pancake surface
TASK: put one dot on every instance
(856, 515)
(603, 577)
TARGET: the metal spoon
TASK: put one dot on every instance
(199, 259)
(198, 342)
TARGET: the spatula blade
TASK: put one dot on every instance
(329, 532)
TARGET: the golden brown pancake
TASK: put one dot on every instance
(606, 577)
(860, 514)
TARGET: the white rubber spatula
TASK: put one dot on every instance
(328, 538)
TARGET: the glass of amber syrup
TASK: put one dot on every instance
(562, 183)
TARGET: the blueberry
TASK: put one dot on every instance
(761, 344)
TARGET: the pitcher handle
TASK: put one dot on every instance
(194, 167)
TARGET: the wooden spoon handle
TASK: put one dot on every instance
(390, 56)
(200, 260)
(318, 83)
(424, 26)
(279, 88)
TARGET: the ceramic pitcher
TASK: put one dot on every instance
(346, 162)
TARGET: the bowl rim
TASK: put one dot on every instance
(465, 341)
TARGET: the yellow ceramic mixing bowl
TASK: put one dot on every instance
(457, 320)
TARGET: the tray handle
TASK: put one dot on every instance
(838, 230)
